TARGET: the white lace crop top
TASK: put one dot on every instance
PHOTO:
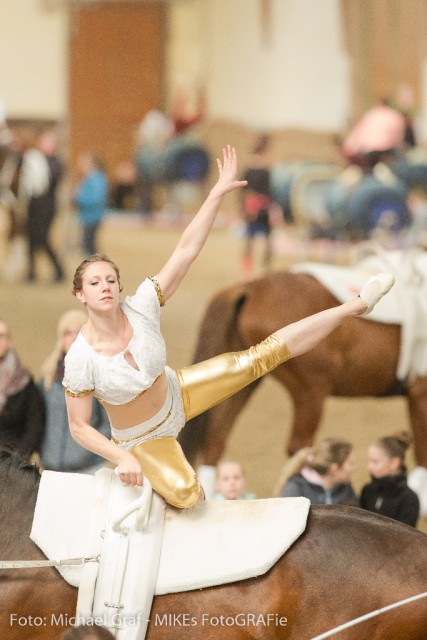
(112, 378)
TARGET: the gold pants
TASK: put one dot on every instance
(203, 385)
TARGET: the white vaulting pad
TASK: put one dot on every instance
(214, 543)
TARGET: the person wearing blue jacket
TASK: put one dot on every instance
(321, 473)
(91, 198)
(59, 451)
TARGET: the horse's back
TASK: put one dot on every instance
(346, 564)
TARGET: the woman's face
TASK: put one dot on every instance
(342, 474)
(100, 287)
(70, 334)
(380, 464)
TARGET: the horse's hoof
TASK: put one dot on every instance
(375, 289)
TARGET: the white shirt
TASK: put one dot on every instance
(112, 378)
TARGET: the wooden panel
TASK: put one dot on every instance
(115, 76)
(385, 40)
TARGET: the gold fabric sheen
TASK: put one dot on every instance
(171, 475)
(206, 383)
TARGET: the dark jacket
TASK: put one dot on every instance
(390, 496)
(298, 486)
(22, 420)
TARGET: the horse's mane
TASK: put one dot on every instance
(19, 482)
(16, 472)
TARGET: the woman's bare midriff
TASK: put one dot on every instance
(124, 416)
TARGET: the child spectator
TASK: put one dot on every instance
(231, 482)
(91, 199)
(256, 202)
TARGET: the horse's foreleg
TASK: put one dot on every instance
(308, 409)
(417, 403)
(308, 397)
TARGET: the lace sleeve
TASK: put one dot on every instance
(147, 299)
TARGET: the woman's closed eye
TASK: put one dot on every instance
(95, 282)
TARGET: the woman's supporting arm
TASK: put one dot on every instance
(79, 413)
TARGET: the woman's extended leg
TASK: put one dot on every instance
(305, 334)
(206, 383)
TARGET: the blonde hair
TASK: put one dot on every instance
(49, 366)
(321, 457)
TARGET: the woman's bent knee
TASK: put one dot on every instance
(185, 494)
(171, 476)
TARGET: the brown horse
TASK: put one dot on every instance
(348, 563)
(357, 359)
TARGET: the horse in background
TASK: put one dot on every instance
(376, 562)
(359, 359)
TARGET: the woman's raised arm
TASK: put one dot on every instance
(196, 233)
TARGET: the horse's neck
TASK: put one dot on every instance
(17, 503)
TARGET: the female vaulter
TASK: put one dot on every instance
(119, 357)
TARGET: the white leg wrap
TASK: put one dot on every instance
(207, 477)
(417, 480)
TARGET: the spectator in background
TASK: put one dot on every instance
(91, 199)
(321, 473)
(388, 493)
(256, 202)
(378, 135)
(59, 451)
(188, 107)
(123, 192)
(231, 482)
(154, 133)
(22, 411)
(42, 209)
(24, 179)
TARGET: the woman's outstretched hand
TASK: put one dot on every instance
(227, 172)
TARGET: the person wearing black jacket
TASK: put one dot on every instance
(22, 409)
(388, 493)
(42, 209)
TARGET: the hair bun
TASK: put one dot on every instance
(405, 438)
